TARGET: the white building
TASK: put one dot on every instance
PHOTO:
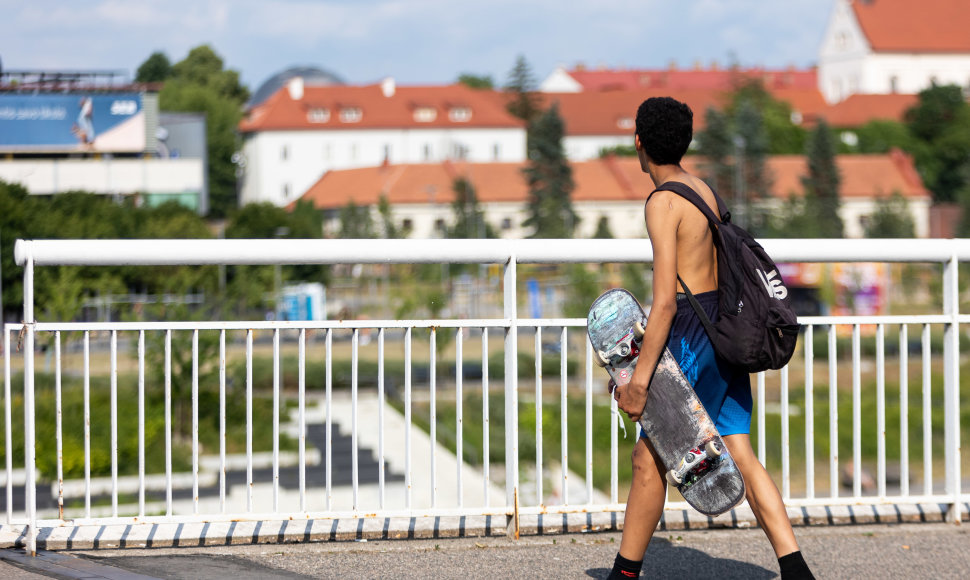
(614, 188)
(302, 132)
(894, 46)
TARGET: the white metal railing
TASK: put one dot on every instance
(433, 484)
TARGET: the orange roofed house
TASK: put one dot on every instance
(612, 187)
(894, 46)
(302, 131)
(599, 106)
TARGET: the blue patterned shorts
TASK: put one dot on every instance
(724, 389)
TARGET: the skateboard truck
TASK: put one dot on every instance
(694, 460)
(625, 348)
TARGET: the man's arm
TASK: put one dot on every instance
(662, 219)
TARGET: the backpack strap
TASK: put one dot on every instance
(687, 192)
(704, 318)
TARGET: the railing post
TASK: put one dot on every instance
(511, 397)
(951, 387)
(30, 490)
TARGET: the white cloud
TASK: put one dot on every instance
(414, 40)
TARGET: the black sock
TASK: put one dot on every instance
(793, 567)
(623, 568)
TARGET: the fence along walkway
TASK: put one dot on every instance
(393, 500)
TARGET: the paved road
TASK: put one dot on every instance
(852, 551)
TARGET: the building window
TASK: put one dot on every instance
(284, 152)
(387, 153)
(427, 152)
(353, 152)
(894, 84)
(425, 114)
(327, 152)
(318, 115)
(842, 41)
(286, 191)
(507, 223)
(496, 152)
(625, 123)
(439, 225)
(407, 224)
(460, 114)
(351, 115)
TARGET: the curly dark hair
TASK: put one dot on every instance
(665, 127)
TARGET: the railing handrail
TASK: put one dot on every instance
(507, 254)
(378, 251)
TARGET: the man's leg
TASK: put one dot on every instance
(762, 495)
(645, 505)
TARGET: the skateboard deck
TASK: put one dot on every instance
(698, 463)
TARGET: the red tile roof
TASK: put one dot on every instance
(613, 112)
(606, 180)
(937, 26)
(862, 175)
(377, 111)
(586, 113)
(859, 109)
(713, 78)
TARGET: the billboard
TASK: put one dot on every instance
(96, 122)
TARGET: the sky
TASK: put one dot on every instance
(414, 41)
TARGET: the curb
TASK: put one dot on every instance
(147, 535)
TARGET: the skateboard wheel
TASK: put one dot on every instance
(638, 329)
(601, 358)
(672, 478)
(712, 449)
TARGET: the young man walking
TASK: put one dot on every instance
(683, 244)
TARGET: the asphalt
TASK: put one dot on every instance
(910, 550)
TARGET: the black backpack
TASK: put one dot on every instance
(757, 328)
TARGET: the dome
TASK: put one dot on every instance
(312, 76)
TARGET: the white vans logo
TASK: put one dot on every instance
(773, 284)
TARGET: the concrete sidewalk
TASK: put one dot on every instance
(912, 550)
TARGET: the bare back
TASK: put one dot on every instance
(696, 258)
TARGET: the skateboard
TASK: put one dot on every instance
(698, 463)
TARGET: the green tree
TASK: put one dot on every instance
(716, 144)
(389, 228)
(155, 69)
(476, 81)
(200, 84)
(356, 222)
(892, 219)
(735, 144)
(782, 134)
(603, 231)
(941, 124)
(881, 136)
(248, 286)
(203, 67)
(618, 150)
(521, 90)
(584, 286)
(823, 181)
(15, 214)
(469, 219)
(549, 177)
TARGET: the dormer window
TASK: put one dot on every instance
(351, 115)
(625, 123)
(318, 115)
(425, 114)
(460, 114)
